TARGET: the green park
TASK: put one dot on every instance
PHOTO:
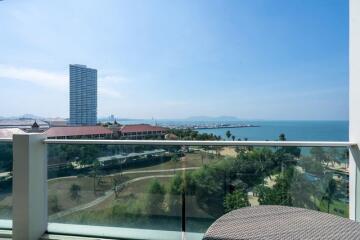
(153, 187)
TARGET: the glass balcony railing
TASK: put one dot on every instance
(115, 186)
(6, 160)
(185, 188)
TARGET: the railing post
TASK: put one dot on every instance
(354, 173)
(354, 103)
(29, 186)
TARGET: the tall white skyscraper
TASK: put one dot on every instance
(83, 95)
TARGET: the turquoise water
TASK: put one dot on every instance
(270, 130)
(294, 130)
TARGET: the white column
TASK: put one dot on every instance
(29, 186)
(354, 106)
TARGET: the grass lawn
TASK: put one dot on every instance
(336, 207)
(134, 197)
(189, 160)
(60, 190)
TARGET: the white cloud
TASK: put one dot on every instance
(36, 76)
(59, 81)
(112, 79)
(172, 103)
(108, 85)
(108, 92)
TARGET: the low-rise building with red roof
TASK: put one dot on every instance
(79, 132)
(141, 131)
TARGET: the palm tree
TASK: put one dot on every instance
(96, 166)
(333, 155)
(175, 159)
(282, 137)
(74, 192)
(329, 193)
(233, 137)
(228, 134)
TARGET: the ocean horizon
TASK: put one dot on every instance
(294, 130)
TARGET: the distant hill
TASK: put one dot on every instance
(30, 116)
(111, 119)
(24, 116)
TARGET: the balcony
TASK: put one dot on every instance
(146, 189)
(172, 190)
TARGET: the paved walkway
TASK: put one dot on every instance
(134, 172)
(101, 199)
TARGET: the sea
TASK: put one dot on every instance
(293, 130)
(270, 130)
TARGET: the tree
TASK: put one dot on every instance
(208, 184)
(235, 200)
(6, 157)
(176, 189)
(334, 156)
(265, 195)
(118, 184)
(190, 134)
(303, 190)
(280, 193)
(175, 159)
(319, 154)
(233, 137)
(253, 166)
(228, 134)
(155, 197)
(293, 151)
(74, 192)
(310, 165)
(329, 193)
(94, 173)
(54, 203)
(203, 156)
(282, 137)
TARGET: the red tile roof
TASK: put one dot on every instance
(9, 132)
(140, 128)
(77, 131)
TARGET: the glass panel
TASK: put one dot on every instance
(153, 187)
(235, 177)
(115, 186)
(6, 160)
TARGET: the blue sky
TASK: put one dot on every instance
(254, 59)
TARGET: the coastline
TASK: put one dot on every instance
(224, 126)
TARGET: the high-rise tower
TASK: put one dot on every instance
(83, 95)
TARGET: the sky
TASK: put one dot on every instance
(253, 59)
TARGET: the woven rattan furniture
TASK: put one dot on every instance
(280, 222)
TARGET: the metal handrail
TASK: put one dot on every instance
(202, 143)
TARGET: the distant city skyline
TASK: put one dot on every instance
(252, 59)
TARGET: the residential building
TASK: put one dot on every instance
(141, 131)
(83, 95)
(76, 132)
